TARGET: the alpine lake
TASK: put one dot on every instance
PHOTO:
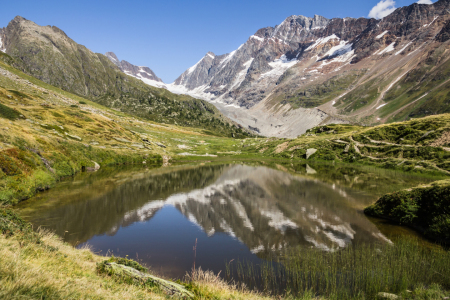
(214, 214)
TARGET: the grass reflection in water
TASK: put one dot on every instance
(355, 272)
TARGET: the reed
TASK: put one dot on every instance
(355, 272)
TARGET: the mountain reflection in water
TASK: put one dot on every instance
(235, 212)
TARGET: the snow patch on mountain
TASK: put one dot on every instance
(431, 22)
(401, 50)
(339, 50)
(257, 38)
(381, 35)
(240, 209)
(257, 249)
(227, 228)
(227, 59)
(321, 41)
(198, 92)
(142, 73)
(389, 48)
(148, 81)
(192, 69)
(1, 45)
(279, 66)
(241, 76)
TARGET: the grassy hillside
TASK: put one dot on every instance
(418, 145)
(48, 54)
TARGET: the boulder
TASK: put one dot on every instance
(128, 273)
(387, 296)
(93, 169)
(310, 152)
(139, 146)
(122, 140)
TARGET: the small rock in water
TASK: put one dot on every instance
(93, 169)
(310, 170)
(387, 296)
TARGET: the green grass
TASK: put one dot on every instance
(317, 95)
(429, 74)
(23, 172)
(360, 97)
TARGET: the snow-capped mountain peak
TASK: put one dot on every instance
(143, 73)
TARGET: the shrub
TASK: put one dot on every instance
(427, 209)
(8, 113)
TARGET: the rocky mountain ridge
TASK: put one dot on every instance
(336, 70)
(143, 73)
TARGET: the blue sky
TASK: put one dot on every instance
(170, 36)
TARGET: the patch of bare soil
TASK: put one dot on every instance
(281, 147)
(443, 140)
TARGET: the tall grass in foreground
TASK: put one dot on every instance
(356, 272)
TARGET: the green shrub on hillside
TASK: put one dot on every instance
(427, 209)
(8, 113)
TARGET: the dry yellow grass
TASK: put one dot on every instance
(211, 286)
(55, 270)
(34, 272)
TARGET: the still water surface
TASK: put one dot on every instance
(234, 211)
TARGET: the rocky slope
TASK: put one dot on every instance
(309, 71)
(143, 73)
(48, 54)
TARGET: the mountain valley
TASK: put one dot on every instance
(312, 162)
(281, 82)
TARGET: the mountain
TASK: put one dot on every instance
(143, 73)
(48, 54)
(311, 71)
(2, 48)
